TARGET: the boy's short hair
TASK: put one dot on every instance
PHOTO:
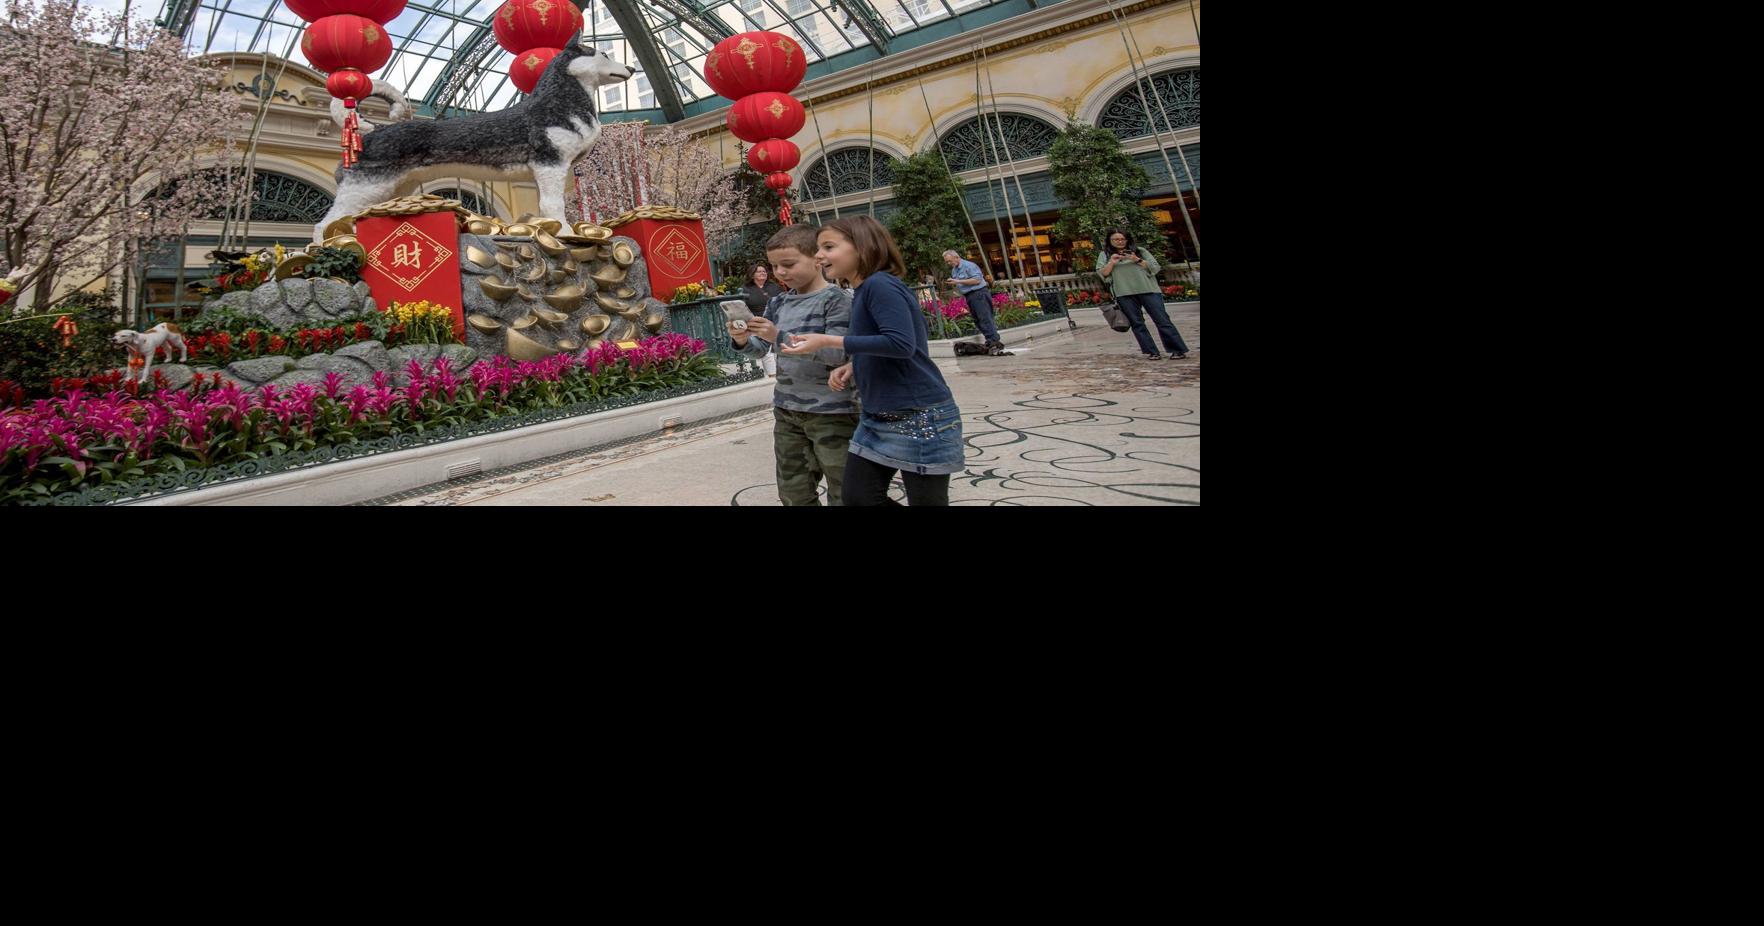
(800, 237)
(876, 250)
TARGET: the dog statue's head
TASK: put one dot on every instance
(591, 67)
(124, 337)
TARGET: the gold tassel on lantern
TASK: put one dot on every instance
(65, 325)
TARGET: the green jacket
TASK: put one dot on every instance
(1130, 279)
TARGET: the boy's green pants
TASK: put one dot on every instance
(809, 446)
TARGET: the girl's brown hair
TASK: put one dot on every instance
(876, 250)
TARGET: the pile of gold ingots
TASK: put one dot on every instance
(548, 270)
(545, 270)
(663, 213)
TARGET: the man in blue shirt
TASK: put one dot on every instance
(972, 285)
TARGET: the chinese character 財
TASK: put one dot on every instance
(408, 255)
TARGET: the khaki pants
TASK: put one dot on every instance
(807, 447)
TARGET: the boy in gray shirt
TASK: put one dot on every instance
(814, 411)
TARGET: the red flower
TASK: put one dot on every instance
(252, 339)
(361, 331)
(277, 342)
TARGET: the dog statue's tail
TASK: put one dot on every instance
(400, 107)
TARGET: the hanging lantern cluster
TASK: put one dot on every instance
(534, 31)
(758, 70)
(347, 39)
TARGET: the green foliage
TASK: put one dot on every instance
(930, 218)
(31, 354)
(1104, 187)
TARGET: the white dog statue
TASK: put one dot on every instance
(146, 343)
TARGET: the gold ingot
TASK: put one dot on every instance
(498, 292)
(557, 276)
(608, 303)
(343, 226)
(595, 325)
(609, 275)
(594, 343)
(525, 323)
(584, 254)
(567, 299)
(526, 218)
(623, 254)
(549, 226)
(292, 265)
(508, 245)
(527, 252)
(534, 273)
(549, 244)
(485, 324)
(552, 319)
(348, 243)
(506, 261)
(521, 347)
(593, 231)
(525, 293)
(626, 292)
(567, 344)
(519, 230)
(653, 321)
(483, 259)
(482, 227)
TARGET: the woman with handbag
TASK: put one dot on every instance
(1132, 274)
(760, 290)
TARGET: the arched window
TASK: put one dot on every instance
(470, 200)
(850, 170)
(281, 198)
(1178, 90)
(968, 146)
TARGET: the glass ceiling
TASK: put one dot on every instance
(445, 55)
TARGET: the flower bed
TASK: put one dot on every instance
(957, 322)
(78, 440)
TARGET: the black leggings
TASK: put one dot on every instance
(866, 484)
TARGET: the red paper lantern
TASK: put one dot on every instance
(525, 24)
(778, 181)
(349, 85)
(752, 62)
(773, 154)
(525, 69)
(759, 116)
(345, 41)
(380, 11)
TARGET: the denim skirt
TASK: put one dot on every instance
(925, 441)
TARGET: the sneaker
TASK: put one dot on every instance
(1181, 356)
(996, 349)
(1153, 356)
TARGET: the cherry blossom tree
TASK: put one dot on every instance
(105, 128)
(630, 166)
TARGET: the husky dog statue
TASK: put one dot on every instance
(540, 135)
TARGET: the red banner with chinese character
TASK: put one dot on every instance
(674, 251)
(412, 258)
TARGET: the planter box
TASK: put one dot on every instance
(401, 471)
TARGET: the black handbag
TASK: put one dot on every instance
(1116, 317)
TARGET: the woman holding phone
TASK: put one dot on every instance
(1132, 274)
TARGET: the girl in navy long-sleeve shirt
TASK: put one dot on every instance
(910, 422)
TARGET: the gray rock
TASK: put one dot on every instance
(334, 298)
(460, 355)
(486, 345)
(266, 297)
(354, 372)
(296, 293)
(372, 353)
(238, 300)
(309, 377)
(177, 375)
(369, 305)
(361, 289)
(261, 370)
